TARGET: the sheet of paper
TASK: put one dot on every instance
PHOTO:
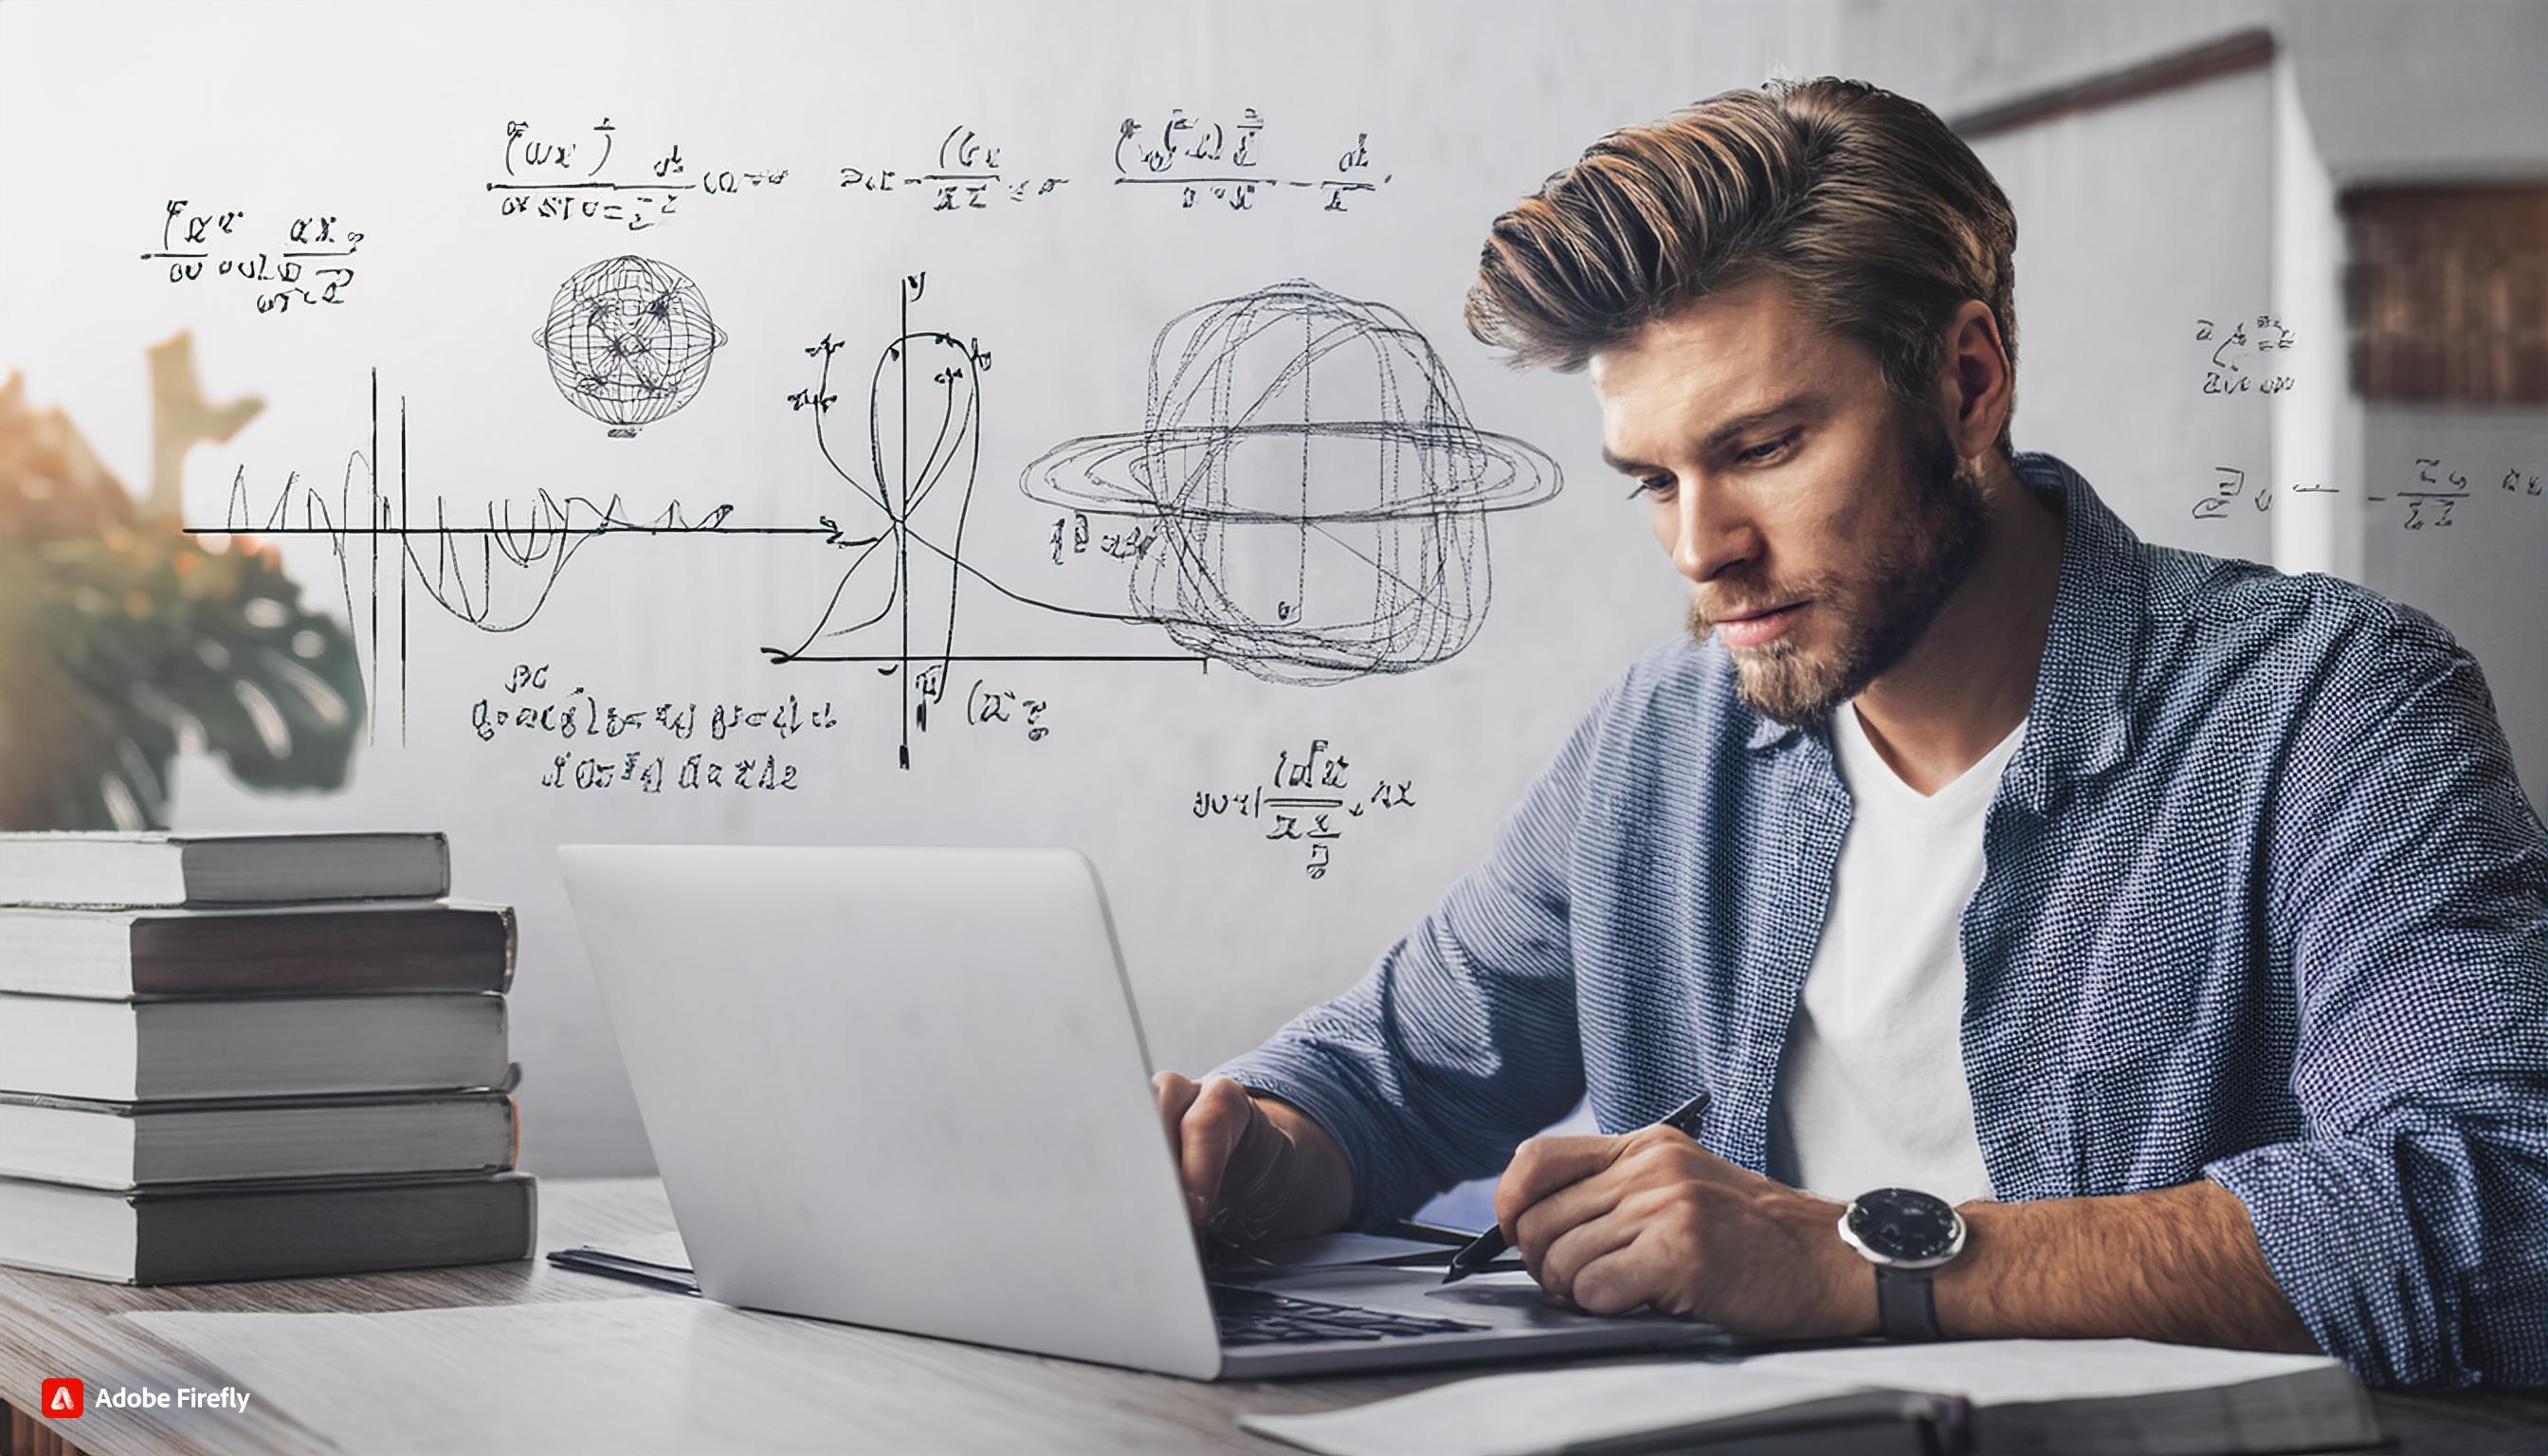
(1991, 1372)
(1325, 1249)
(1544, 1411)
(627, 1376)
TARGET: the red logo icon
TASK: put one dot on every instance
(63, 1399)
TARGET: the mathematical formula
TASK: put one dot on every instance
(2433, 497)
(2430, 498)
(1310, 798)
(2230, 490)
(630, 755)
(585, 176)
(304, 260)
(561, 178)
(1201, 160)
(1071, 537)
(966, 174)
(2244, 356)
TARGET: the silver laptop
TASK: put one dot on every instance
(906, 1088)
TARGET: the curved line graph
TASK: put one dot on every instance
(536, 549)
(494, 571)
(1238, 458)
(1313, 498)
(924, 440)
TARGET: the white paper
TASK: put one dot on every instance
(1327, 1249)
(1543, 1411)
(1516, 1414)
(1999, 1372)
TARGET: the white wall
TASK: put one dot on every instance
(2372, 92)
(2121, 252)
(2132, 223)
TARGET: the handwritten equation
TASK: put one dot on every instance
(1309, 800)
(581, 175)
(307, 260)
(2244, 356)
(986, 706)
(2229, 490)
(620, 746)
(2430, 499)
(566, 178)
(967, 175)
(2433, 497)
(1203, 160)
(1072, 538)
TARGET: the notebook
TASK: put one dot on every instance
(1990, 1398)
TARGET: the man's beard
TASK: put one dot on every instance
(1909, 578)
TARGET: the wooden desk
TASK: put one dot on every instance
(1015, 1403)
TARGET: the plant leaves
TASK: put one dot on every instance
(123, 642)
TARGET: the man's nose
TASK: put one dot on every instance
(1710, 534)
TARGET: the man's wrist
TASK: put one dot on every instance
(2179, 1264)
(1847, 1280)
(1962, 1307)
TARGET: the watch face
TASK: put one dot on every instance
(1904, 1223)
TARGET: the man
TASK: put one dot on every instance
(2179, 923)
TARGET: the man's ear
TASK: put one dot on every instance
(1976, 388)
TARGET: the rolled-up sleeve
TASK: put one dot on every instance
(1461, 1040)
(2409, 884)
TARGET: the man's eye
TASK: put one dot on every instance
(1761, 452)
(1652, 484)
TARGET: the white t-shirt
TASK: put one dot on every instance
(1871, 1092)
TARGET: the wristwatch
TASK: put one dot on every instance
(1906, 1234)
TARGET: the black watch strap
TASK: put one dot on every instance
(1906, 1304)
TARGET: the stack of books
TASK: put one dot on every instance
(252, 1056)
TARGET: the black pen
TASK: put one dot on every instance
(1482, 1250)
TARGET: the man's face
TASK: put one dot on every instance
(1821, 521)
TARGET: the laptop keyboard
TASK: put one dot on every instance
(1253, 1317)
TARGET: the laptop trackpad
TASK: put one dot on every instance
(1508, 1289)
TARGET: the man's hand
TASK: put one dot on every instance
(1253, 1167)
(1651, 1219)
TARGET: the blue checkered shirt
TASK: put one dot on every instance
(2263, 904)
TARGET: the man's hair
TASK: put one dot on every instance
(1878, 217)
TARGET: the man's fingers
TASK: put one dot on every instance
(1559, 1268)
(1622, 1278)
(1214, 1124)
(1544, 1224)
(1543, 1165)
(1175, 1093)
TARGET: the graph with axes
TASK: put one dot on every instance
(1307, 501)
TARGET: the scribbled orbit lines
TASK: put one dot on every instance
(1320, 495)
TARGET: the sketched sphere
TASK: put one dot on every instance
(629, 340)
(1318, 494)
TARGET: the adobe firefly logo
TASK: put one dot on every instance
(63, 1399)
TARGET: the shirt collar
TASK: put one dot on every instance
(2080, 722)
